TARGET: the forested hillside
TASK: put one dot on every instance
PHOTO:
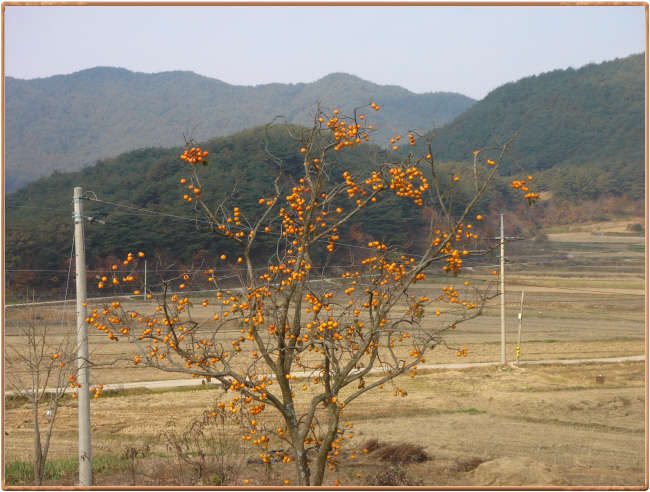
(39, 228)
(581, 130)
(66, 122)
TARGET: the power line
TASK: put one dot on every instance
(149, 211)
(207, 222)
(38, 208)
(189, 218)
(571, 288)
(67, 283)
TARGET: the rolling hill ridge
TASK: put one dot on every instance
(70, 121)
(581, 130)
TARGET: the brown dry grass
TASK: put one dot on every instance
(402, 453)
(590, 434)
(557, 415)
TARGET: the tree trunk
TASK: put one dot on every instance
(48, 434)
(39, 465)
(328, 439)
(302, 469)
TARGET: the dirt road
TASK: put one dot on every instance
(188, 383)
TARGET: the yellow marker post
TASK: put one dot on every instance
(521, 315)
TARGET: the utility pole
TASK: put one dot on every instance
(503, 294)
(144, 296)
(521, 315)
(501, 287)
(83, 393)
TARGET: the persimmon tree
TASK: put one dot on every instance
(283, 337)
(39, 365)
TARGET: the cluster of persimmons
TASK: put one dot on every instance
(531, 197)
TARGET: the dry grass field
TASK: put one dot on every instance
(548, 424)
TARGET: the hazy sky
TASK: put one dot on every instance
(470, 50)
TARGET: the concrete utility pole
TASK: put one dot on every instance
(83, 393)
(503, 294)
(144, 293)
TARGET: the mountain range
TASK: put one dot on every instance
(66, 122)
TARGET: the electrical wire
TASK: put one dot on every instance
(514, 282)
(188, 218)
(149, 211)
(207, 222)
(65, 299)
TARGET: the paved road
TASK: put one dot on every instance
(188, 383)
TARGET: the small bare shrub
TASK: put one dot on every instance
(131, 467)
(635, 227)
(207, 452)
(374, 444)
